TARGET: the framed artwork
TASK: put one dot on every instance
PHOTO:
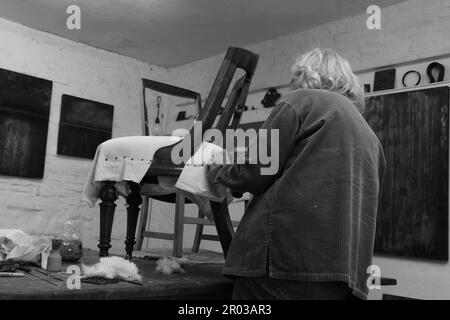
(384, 80)
(24, 114)
(84, 124)
(413, 128)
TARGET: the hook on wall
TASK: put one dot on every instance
(157, 130)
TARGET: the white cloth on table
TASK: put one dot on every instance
(129, 158)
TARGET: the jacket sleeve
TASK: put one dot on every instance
(254, 178)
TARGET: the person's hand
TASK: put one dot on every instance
(212, 170)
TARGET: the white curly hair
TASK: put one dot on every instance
(326, 69)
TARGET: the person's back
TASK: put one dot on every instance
(331, 182)
(313, 221)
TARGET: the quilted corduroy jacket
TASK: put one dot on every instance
(314, 220)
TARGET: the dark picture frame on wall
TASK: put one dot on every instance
(384, 80)
(84, 124)
(24, 115)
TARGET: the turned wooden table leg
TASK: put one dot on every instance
(223, 223)
(108, 195)
(134, 200)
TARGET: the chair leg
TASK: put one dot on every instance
(108, 195)
(223, 224)
(134, 200)
(142, 225)
(198, 234)
(179, 224)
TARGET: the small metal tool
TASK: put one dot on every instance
(49, 275)
(30, 272)
(11, 274)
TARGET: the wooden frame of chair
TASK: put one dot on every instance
(202, 221)
(163, 166)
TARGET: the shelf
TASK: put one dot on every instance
(416, 88)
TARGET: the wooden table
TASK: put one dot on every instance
(201, 281)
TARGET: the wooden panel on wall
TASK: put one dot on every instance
(24, 114)
(413, 210)
(83, 126)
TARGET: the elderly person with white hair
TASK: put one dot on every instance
(309, 231)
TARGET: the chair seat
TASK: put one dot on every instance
(122, 159)
(162, 164)
(158, 170)
(128, 158)
(170, 198)
(138, 147)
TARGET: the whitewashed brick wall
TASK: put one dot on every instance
(41, 206)
(410, 30)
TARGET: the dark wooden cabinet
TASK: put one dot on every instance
(413, 128)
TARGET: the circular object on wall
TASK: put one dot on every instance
(411, 78)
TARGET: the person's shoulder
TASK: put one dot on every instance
(309, 96)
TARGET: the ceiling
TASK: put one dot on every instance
(174, 32)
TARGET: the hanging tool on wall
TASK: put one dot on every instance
(157, 129)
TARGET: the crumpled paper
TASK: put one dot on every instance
(19, 246)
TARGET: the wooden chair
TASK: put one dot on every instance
(162, 165)
(199, 235)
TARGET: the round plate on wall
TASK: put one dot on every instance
(411, 78)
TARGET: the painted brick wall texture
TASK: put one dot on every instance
(42, 206)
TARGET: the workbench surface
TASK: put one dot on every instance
(200, 281)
